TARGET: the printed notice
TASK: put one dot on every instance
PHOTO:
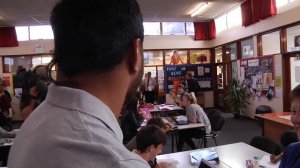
(253, 63)
(200, 70)
(297, 73)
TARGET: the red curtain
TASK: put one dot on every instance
(8, 37)
(212, 29)
(246, 8)
(205, 30)
(256, 10)
(268, 8)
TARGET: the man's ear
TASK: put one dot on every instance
(151, 148)
(135, 57)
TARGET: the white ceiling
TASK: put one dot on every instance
(36, 12)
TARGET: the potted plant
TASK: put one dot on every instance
(237, 98)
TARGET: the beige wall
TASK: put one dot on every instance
(277, 102)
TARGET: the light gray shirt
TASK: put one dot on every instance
(194, 110)
(71, 129)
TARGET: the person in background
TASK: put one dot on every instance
(149, 88)
(157, 121)
(290, 157)
(76, 126)
(181, 91)
(194, 114)
(5, 109)
(190, 84)
(150, 141)
(175, 58)
(34, 92)
(131, 120)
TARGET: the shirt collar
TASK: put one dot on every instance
(82, 101)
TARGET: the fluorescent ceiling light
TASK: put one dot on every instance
(202, 6)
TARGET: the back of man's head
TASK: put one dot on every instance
(94, 35)
(150, 135)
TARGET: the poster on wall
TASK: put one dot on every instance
(175, 74)
(258, 76)
(297, 41)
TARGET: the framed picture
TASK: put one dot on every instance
(297, 41)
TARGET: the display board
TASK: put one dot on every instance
(257, 74)
(175, 74)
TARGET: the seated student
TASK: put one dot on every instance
(286, 139)
(131, 120)
(291, 155)
(172, 97)
(181, 91)
(157, 121)
(194, 114)
(150, 141)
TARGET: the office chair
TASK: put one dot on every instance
(217, 122)
(266, 145)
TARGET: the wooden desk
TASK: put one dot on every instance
(232, 155)
(274, 126)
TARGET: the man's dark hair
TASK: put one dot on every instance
(295, 93)
(94, 35)
(189, 75)
(150, 135)
(157, 121)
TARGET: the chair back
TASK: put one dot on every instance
(266, 145)
(212, 112)
(217, 122)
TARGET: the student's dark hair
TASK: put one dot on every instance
(288, 138)
(132, 104)
(157, 121)
(295, 93)
(94, 35)
(150, 135)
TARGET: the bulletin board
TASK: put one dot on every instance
(175, 74)
(257, 74)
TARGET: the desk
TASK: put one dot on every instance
(232, 155)
(274, 125)
(158, 112)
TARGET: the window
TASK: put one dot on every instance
(247, 48)
(175, 57)
(199, 56)
(271, 43)
(22, 33)
(234, 17)
(219, 56)
(151, 28)
(11, 63)
(293, 38)
(190, 30)
(173, 28)
(153, 58)
(231, 52)
(221, 23)
(41, 32)
(280, 3)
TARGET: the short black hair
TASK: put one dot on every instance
(94, 35)
(150, 135)
(157, 121)
(295, 93)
